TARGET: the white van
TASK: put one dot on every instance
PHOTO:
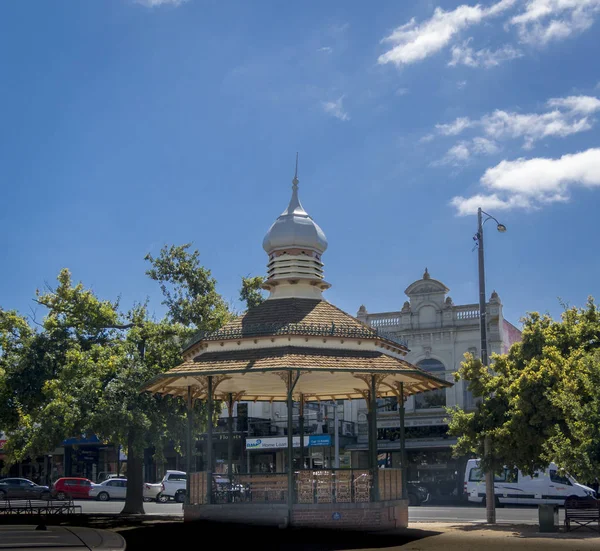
(511, 486)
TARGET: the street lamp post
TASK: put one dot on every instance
(490, 496)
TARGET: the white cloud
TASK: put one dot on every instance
(531, 183)
(545, 20)
(465, 55)
(566, 116)
(456, 155)
(402, 91)
(413, 42)
(325, 49)
(584, 105)
(462, 152)
(456, 127)
(336, 109)
(155, 3)
(469, 205)
(532, 126)
(483, 146)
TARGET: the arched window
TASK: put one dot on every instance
(431, 398)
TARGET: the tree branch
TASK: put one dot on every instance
(114, 326)
(32, 318)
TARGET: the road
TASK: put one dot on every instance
(91, 506)
(516, 515)
(520, 515)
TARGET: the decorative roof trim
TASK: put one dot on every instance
(398, 371)
(301, 329)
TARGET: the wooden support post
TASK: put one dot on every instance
(291, 384)
(373, 439)
(188, 451)
(301, 423)
(290, 447)
(230, 438)
(404, 466)
(209, 442)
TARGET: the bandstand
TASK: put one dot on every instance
(296, 347)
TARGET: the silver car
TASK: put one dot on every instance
(113, 488)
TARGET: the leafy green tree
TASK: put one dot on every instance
(540, 402)
(83, 369)
(189, 290)
(251, 293)
(16, 336)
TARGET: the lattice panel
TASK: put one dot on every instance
(305, 487)
(343, 486)
(362, 486)
(324, 481)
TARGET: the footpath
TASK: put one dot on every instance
(147, 532)
(418, 537)
(480, 536)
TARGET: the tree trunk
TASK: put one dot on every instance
(134, 501)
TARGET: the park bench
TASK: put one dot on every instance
(582, 511)
(38, 507)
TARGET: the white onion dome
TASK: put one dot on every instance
(295, 229)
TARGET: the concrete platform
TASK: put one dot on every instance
(368, 516)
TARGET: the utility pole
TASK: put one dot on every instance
(490, 495)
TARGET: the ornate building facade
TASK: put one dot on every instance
(438, 334)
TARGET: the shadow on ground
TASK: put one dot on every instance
(527, 531)
(153, 532)
(265, 537)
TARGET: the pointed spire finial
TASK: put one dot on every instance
(426, 274)
(295, 180)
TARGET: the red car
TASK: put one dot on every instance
(72, 487)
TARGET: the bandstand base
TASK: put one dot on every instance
(370, 516)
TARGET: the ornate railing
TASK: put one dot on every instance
(251, 488)
(470, 313)
(241, 488)
(304, 329)
(333, 486)
(387, 321)
(310, 486)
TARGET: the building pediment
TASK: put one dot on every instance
(426, 287)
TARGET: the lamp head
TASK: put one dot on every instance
(501, 228)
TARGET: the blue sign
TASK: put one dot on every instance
(319, 440)
(83, 439)
(336, 516)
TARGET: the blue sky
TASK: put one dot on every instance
(129, 125)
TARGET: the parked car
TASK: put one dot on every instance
(112, 488)
(512, 486)
(417, 493)
(152, 491)
(173, 483)
(72, 487)
(22, 488)
(106, 475)
(57, 538)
